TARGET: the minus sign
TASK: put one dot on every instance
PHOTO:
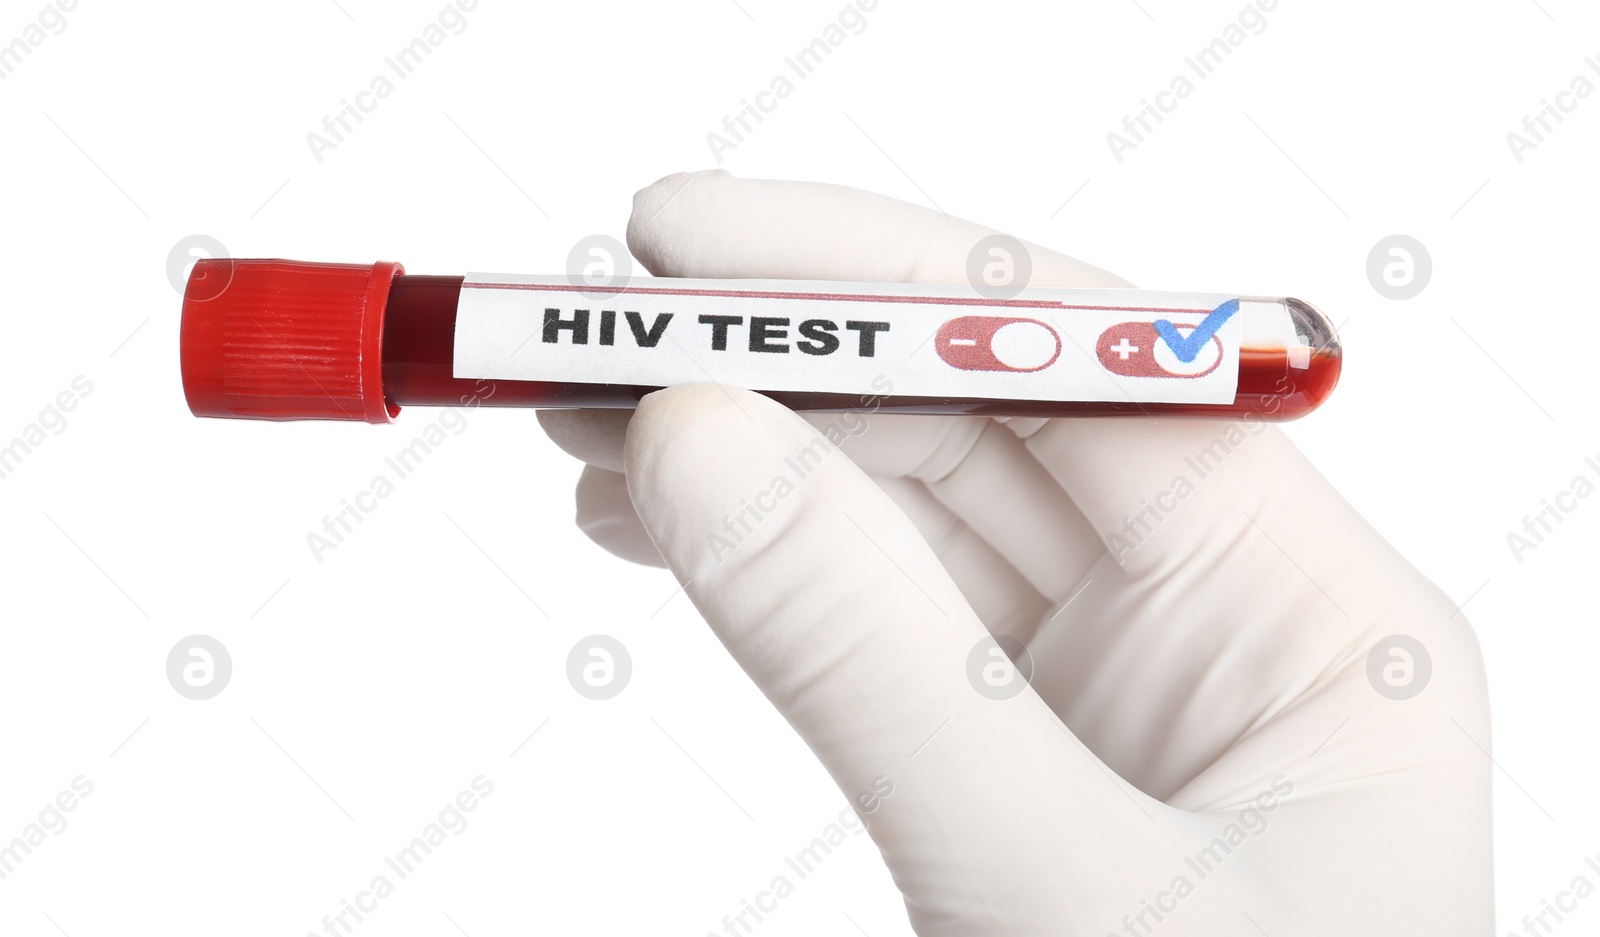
(963, 341)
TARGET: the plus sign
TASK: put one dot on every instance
(1123, 349)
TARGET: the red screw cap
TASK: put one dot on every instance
(285, 340)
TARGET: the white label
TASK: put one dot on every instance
(851, 338)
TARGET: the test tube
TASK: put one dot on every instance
(288, 340)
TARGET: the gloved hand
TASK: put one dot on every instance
(1210, 744)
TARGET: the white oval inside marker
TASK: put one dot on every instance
(1204, 360)
(1023, 345)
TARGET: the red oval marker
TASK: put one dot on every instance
(1129, 349)
(997, 343)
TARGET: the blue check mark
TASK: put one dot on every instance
(1187, 348)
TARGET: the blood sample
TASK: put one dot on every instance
(285, 340)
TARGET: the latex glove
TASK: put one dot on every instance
(1210, 684)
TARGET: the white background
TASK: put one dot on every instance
(370, 687)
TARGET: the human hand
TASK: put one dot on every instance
(1204, 746)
